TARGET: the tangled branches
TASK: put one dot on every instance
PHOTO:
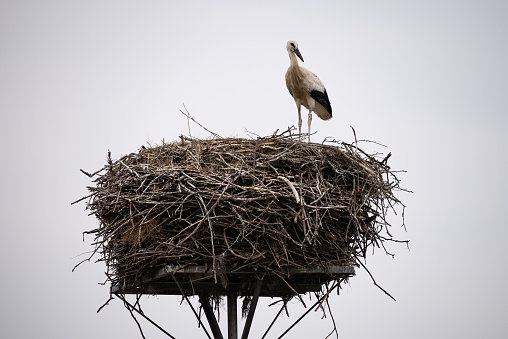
(269, 203)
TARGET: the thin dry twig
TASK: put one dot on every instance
(189, 117)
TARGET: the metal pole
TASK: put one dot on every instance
(252, 308)
(232, 316)
(212, 321)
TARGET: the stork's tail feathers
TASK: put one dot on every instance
(321, 112)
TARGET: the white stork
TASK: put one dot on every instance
(306, 88)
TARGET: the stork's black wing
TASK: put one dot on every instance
(322, 98)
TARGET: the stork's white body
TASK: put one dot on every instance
(306, 88)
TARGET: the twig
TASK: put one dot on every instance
(374, 281)
(107, 302)
(189, 116)
(333, 321)
(132, 308)
(293, 189)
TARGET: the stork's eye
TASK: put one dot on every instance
(292, 44)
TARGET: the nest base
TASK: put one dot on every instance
(196, 280)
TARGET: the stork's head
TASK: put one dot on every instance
(292, 47)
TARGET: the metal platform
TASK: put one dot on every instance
(171, 280)
(201, 281)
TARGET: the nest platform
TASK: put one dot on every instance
(218, 215)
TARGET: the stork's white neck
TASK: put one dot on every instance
(293, 59)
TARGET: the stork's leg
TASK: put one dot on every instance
(299, 123)
(309, 121)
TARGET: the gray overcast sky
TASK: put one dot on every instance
(428, 79)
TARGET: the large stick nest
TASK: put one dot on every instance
(267, 204)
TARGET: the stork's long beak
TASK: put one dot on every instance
(298, 54)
